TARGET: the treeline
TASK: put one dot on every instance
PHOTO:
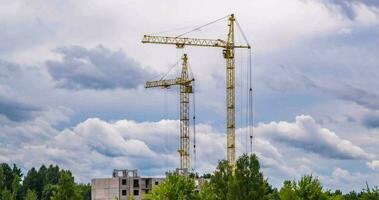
(46, 183)
(248, 183)
(245, 182)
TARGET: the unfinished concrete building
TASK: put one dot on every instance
(124, 183)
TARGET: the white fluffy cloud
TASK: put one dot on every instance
(374, 164)
(98, 146)
(306, 134)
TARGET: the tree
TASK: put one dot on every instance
(370, 194)
(16, 186)
(67, 189)
(7, 176)
(85, 190)
(2, 179)
(309, 188)
(30, 181)
(30, 195)
(249, 183)
(221, 180)
(48, 191)
(175, 187)
(206, 191)
(288, 191)
(351, 196)
(6, 194)
(246, 182)
(52, 175)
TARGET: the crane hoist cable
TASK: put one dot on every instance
(202, 26)
(194, 127)
(250, 101)
(251, 104)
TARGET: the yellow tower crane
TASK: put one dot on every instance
(185, 84)
(229, 47)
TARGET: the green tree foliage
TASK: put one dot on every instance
(31, 182)
(246, 182)
(222, 180)
(30, 195)
(309, 188)
(6, 194)
(370, 194)
(351, 196)
(206, 191)
(249, 183)
(175, 187)
(288, 191)
(85, 191)
(38, 184)
(67, 189)
(48, 191)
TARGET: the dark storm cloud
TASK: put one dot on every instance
(371, 121)
(343, 66)
(346, 5)
(359, 96)
(97, 68)
(10, 105)
(346, 92)
(17, 111)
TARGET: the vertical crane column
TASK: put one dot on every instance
(230, 94)
(185, 84)
(185, 90)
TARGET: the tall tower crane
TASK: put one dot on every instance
(228, 47)
(185, 84)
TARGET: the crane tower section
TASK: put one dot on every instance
(185, 84)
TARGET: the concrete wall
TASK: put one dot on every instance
(122, 187)
(105, 189)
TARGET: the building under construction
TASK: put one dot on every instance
(122, 185)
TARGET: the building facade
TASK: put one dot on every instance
(124, 183)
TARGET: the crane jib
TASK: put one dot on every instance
(181, 42)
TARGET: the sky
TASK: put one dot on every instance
(72, 75)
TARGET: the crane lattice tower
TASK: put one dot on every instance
(185, 84)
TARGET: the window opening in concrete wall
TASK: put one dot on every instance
(135, 183)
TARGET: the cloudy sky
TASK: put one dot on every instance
(72, 74)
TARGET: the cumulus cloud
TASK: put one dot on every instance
(306, 134)
(373, 164)
(99, 146)
(97, 68)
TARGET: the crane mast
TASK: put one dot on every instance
(230, 94)
(185, 84)
(228, 51)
